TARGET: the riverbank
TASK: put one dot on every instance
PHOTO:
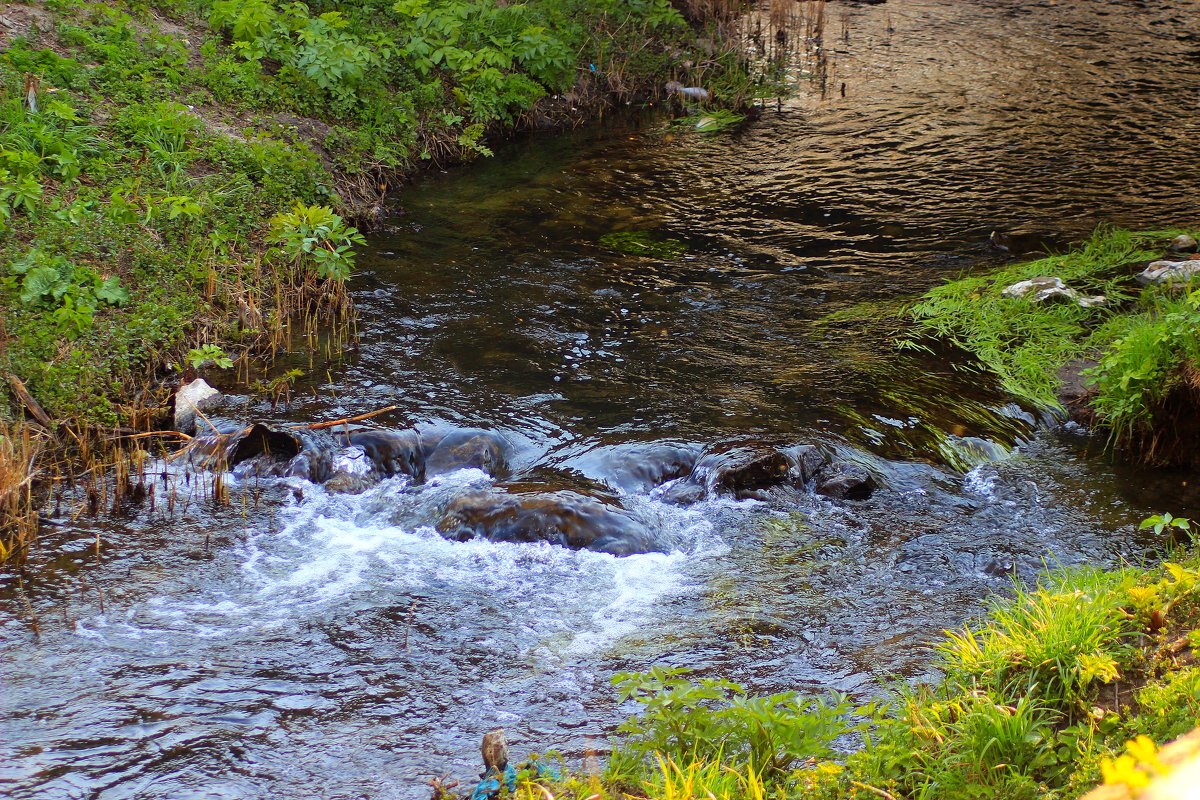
(182, 182)
(1106, 333)
(1074, 680)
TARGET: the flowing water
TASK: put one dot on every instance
(306, 644)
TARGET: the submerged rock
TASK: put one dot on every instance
(564, 518)
(846, 482)
(470, 448)
(638, 466)
(1175, 273)
(1048, 287)
(392, 452)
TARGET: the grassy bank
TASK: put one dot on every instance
(1134, 361)
(1041, 699)
(180, 181)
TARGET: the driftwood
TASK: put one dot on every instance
(33, 406)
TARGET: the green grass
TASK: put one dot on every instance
(1045, 688)
(1145, 341)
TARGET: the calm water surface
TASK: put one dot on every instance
(303, 644)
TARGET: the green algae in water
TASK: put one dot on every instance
(642, 243)
(713, 121)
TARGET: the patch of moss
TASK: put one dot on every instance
(643, 243)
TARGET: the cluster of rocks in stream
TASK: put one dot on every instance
(577, 504)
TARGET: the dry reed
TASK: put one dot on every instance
(19, 449)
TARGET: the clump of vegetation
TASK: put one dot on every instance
(643, 243)
(711, 121)
(1144, 341)
(1039, 699)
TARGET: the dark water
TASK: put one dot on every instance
(336, 646)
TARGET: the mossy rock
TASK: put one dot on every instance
(642, 243)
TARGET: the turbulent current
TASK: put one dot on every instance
(310, 644)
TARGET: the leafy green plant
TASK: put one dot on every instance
(314, 236)
(199, 357)
(712, 121)
(71, 293)
(715, 720)
(1164, 521)
(1025, 344)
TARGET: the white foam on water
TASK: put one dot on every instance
(980, 483)
(327, 552)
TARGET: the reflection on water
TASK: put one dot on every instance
(320, 645)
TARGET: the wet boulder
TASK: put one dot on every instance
(191, 401)
(564, 518)
(806, 461)
(469, 448)
(392, 452)
(741, 468)
(639, 466)
(845, 482)
(351, 472)
(1049, 288)
(231, 444)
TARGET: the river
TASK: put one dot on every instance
(306, 644)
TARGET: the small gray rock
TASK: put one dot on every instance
(196, 396)
(1048, 287)
(1183, 244)
(1175, 273)
(1041, 289)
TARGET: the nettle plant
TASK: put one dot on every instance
(314, 237)
(72, 293)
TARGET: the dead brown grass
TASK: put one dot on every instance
(19, 448)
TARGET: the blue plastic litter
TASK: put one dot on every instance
(489, 787)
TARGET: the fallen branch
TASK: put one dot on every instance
(147, 434)
(35, 408)
(317, 426)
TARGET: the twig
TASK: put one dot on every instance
(35, 408)
(317, 426)
(28, 606)
(873, 790)
(146, 434)
(408, 625)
